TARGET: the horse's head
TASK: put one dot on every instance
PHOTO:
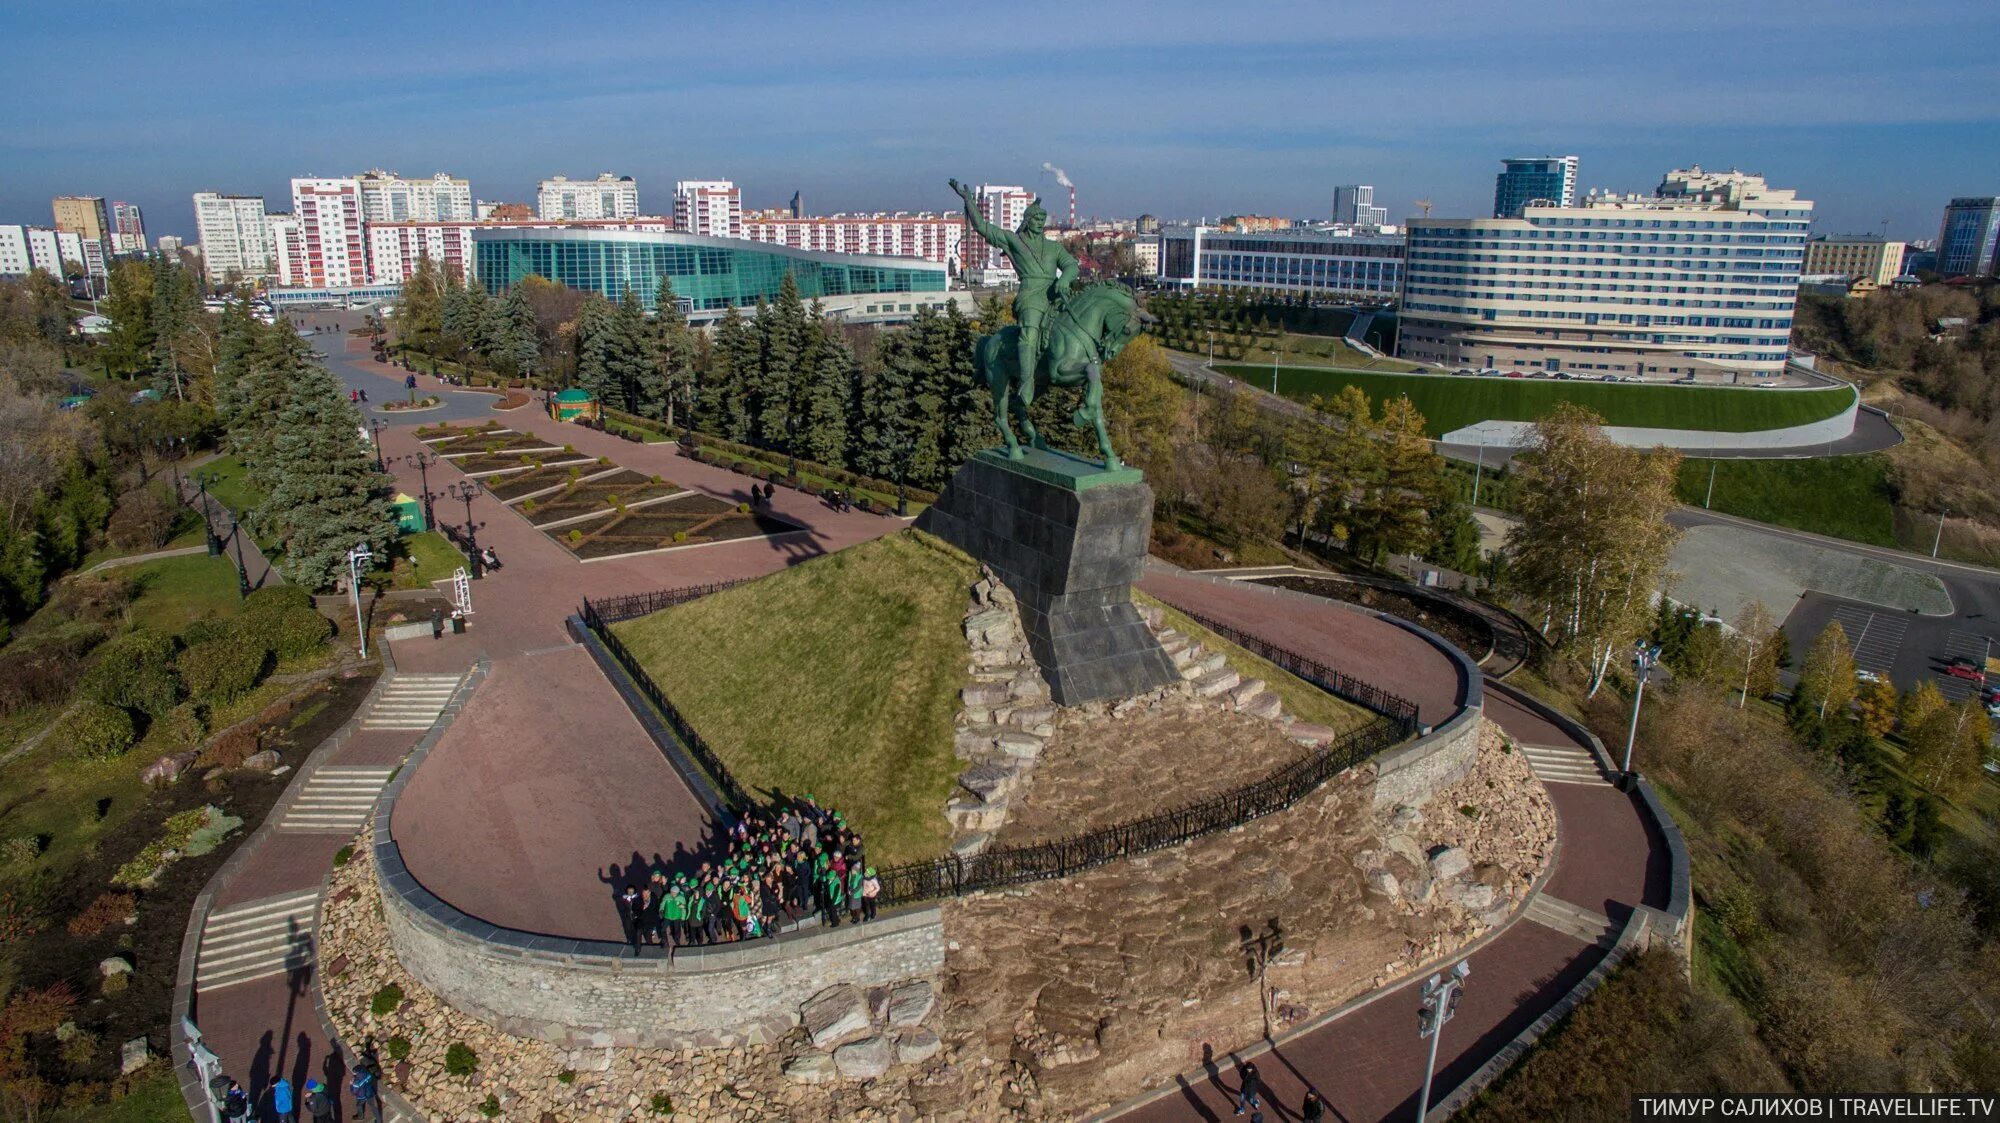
(1123, 322)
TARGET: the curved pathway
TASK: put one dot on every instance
(1365, 1058)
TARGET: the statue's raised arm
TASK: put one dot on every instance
(993, 234)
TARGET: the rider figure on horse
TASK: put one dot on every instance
(1046, 270)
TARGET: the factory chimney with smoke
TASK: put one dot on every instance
(1062, 177)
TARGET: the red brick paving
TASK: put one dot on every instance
(1611, 855)
(542, 784)
(1527, 726)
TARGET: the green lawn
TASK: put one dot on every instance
(229, 487)
(174, 592)
(839, 677)
(1450, 402)
(424, 558)
(1842, 496)
(156, 1099)
(1317, 351)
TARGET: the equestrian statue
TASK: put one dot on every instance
(1057, 338)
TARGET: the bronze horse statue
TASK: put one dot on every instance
(1089, 330)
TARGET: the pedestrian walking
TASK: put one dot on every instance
(280, 1092)
(437, 622)
(856, 882)
(367, 1093)
(235, 1104)
(319, 1104)
(1314, 1109)
(1247, 1095)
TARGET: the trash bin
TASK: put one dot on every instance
(457, 624)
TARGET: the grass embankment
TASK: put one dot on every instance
(1842, 496)
(424, 558)
(838, 677)
(175, 592)
(1451, 402)
(229, 487)
(1317, 351)
(1302, 699)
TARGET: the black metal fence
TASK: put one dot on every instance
(599, 620)
(952, 876)
(1368, 696)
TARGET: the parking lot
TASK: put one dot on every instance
(1876, 637)
(1906, 648)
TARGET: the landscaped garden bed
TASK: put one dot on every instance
(494, 442)
(487, 463)
(600, 496)
(691, 520)
(516, 485)
(434, 434)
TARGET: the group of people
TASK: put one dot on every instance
(1250, 1097)
(279, 1103)
(777, 867)
(356, 397)
(760, 494)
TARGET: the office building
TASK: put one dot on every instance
(388, 197)
(1343, 262)
(1968, 242)
(83, 215)
(1003, 206)
(1534, 180)
(235, 237)
(713, 207)
(1699, 278)
(607, 196)
(333, 250)
(709, 274)
(1861, 257)
(1354, 205)
(933, 237)
(128, 229)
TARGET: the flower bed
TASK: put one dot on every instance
(405, 405)
(598, 496)
(503, 440)
(514, 485)
(484, 463)
(692, 520)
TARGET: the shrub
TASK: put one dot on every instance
(143, 521)
(135, 671)
(182, 727)
(96, 731)
(386, 1000)
(45, 669)
(566, 1076)
(399, 1048)
(107, 910)
(743, 508)
(662, 1104)
(221, 669)
(527, 504)
(208, 628)
(680, 535)
(20, 850)
(276, 598)
(490, 1106)
(343, 856)
(655, 479)
(300, 633)
(460, 1060)
(140, 870)
(575, 536)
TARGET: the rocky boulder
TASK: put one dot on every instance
(1447, 862)
(915, 1046)
(835, 1015)
(810, 1068)
(865, 1059)
(167, 769)
(910, 1003)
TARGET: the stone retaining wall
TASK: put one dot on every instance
(1410, 774)
(704, 997)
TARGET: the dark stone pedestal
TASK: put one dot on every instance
(1068, 538)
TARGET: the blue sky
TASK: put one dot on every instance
(1874, 111)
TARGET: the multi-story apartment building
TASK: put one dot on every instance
(1525, 180)
(89, 254)
(713, 207)
(395, 248)
(388, 197)
(14, 259)
(45, 250)
(288, 255)
(1003, 206)
(1354, 205)
(333, 248)
(1255, 223)
(1699, 278)
(128, 229)
(234, 235)
(1341, 261)
(607, 196)
(1968, 243)
(170, 245)
(82, 215)
(933, 237)
(1863, 257)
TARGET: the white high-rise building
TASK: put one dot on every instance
(933, 237)
(394, 249)
(14, 259)
(288, 257)
(1697, 279)
(388, 197)
(1354, 205)
(1003, 206)
(333, 249)
(128, 229)
(607, 196)
(708, 206)
(235, 240)
(45, 250)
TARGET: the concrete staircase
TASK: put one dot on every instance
(411, 702)
(257, 939)
(1563, 765)
(336, 799)
(1212, 677)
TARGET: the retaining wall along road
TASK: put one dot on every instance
(1814, 434)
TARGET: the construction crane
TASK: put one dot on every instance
(1426, 205)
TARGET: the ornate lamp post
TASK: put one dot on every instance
(242, 571)
(201, 482)
(423, 462)
(465, 490)
(379, 426)
(1645, 657)
(1440, 1003)
(357, 558)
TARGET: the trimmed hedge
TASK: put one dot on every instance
(96, 731)
(184, 726)
(135, 671)
(222, 669)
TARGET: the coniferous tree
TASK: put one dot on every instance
(128, 302)
(781, 345)
(328, 497)
(420, 318)
(823, 425)
(517, 344)
(673, 386)
(595, 343)
(633, 371)
(725, 393)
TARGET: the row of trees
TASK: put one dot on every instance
(159, 329)
(303, 446)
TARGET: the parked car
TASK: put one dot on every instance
(1862, 674)
(1515, 374)
(1630, 378)
(1961, 667)
(1607, 378)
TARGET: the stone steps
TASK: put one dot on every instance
(1216, 683)
(1573, 920)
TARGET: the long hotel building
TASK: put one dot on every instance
(1699, 278)
(933, 237)
(1342, 262)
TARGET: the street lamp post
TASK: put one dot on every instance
(1274, 372)
(902, 469)
(1480, 470)
(356, 558)
(1938, 539)
(465, 490)
(423, 461)
(1645, 657)
(201, 482)
(242, 571)
(1440, 1005)
(379, 425)
(1708, 498)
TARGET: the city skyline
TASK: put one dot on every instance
(1859, 110)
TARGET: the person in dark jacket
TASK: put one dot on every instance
(1314, 1109)
(319, 1105)
(1247, 1095)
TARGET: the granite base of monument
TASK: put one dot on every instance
(1069, 538)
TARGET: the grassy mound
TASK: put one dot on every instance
(838, 677)
(1842, 496)
(1451, 402)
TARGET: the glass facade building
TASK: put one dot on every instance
(1333, 262)
(1969, 239)
(1549, 181)
(709, 274)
